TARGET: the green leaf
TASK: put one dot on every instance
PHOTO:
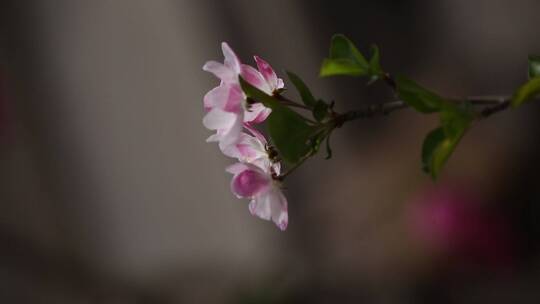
(288, 130)
(441, 154)
(455, 120)
(342, 48)
(441, 142)
(431, 142)
(417, 97)
(302, 88)
(333, 67)
(437, 149)
(375, 63)
(320, 110)
(345, 59)
(290, 134)
(534, 66)
(531, 88)
(526, 92)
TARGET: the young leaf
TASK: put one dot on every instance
(345, 59)
(534, 66)
(342, 48)
(441, 154)
(437, 149)
(333, 67)
(302, 88)
(290, 133)
(288, 130)
(431, 142)
(455, 120)
(417, 97)
(375, 63)
(441, 142)
(320, 110)
(528, 91)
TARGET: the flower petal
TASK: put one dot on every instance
(259, 208)
(213, 138)
(278, 203)
(218, 119)
(247, 149)
(268, 73)
(216, 98)
(255, 78)
(228, 126)
(276, 168)
(234, 99)
(237, 168)
(280, 84)
(221, 71)
(257, 113)
(232, 134)
(231, 60)
(256, 133)
(271, 204)
(249, 183)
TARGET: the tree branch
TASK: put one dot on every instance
(494, 104)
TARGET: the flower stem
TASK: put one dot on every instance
(284, 100)
(294, 167)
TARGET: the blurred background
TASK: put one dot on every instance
(109, 193)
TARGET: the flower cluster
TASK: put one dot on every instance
(255, 175)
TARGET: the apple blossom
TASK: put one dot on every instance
(228, 113)
(255, 177)
(259, 185)
(253, 149)
(225, 105)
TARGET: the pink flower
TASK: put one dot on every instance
(228, 114)
(251, 149)
(258, 184)
(227, 71)
(451, 221)
(265, 79)
(225, 114)
(225, 105)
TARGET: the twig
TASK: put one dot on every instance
(284, 100)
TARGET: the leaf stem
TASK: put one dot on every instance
(284, 100)
(296, 166)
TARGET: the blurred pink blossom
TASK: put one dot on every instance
(457, 224)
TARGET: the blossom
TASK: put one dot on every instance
(252, 149)
(225, 114)
(228, 113)
(453, 221)
(258, 184)
(225, 104)
(265, 78)
(254, 178)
